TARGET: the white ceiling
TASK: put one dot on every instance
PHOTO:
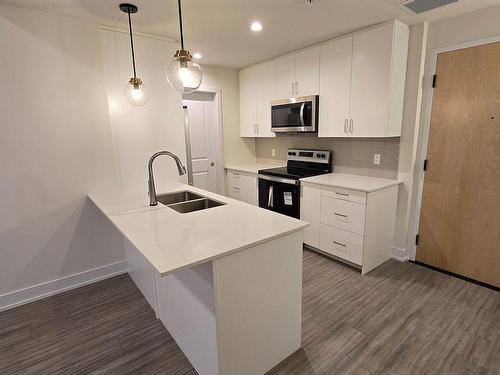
(219, 29)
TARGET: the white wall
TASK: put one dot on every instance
(55, 145)
(141, 131)
(409, 132)
(236, 149)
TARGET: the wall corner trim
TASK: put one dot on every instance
(63, 284)
(400, 255)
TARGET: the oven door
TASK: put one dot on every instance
(280, 195)
(294, 115)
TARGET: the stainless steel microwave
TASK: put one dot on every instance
(295, 115)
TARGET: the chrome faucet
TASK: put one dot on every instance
(151, 182)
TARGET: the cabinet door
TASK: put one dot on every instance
(335, 88)
(371, 77)
(265, 91)
(248, 185)
(284, 77)
(248, 103)
(307, 72)
(310, 211)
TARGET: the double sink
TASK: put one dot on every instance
(187, 201)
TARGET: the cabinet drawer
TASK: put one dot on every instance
(342, 244)
(343, 214)
(344, 194)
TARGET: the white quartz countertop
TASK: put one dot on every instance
(171, 240)
(251, 167)
(352, 182)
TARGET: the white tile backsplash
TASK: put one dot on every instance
(350, 155)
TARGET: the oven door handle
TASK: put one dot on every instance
(283, 180)
(270, 197)
(302, 114)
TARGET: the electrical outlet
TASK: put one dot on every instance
(376, 159)
(273, 152)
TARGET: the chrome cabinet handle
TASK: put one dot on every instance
(296, 88)
(343, 194)
(346, 125)
(341, 215)
(351, 126)
(236, 188)
(340, 244)
(293, 88)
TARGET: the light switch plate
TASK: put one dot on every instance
(376, 159)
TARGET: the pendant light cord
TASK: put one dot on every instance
(132, 42)
(180, 24)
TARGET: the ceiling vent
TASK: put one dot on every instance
(421, 6)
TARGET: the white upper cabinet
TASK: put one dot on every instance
(256, 93)
(284, 80)
(248, 102)
(360, 79)
(297, 74)
(265, 92)
(378, 81)
(365, 100)
(335, 88)
(307, 72)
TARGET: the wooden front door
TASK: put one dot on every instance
(460, 216)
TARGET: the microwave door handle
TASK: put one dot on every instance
(302, 114)
(270, 197)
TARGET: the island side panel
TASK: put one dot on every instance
(258, 294)
(380, 222)
(187, 310)
(142, 273)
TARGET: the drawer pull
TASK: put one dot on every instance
(343, 194)
(341, 215)
(236, 188)
(340, 244)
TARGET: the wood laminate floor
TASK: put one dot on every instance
(399, 319)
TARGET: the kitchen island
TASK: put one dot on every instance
(225, 281)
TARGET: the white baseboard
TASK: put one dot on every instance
(36, 292)
(399, 254)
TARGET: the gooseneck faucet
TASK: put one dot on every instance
(151, 182)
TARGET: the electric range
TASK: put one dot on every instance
(279, 188)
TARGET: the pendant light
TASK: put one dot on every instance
(183, 74)
(135, 91)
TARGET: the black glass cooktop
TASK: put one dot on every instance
(295, 173)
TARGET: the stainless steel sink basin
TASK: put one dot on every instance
(195, 205)
(177, 197)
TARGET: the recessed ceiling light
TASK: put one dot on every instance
(197, 55)
(256, 26)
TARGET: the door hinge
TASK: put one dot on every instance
(416, 240)
(425, 165)
(434, 80)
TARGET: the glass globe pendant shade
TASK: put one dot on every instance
(136, 93)
(183, 74)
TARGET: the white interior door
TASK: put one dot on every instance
(201, 121)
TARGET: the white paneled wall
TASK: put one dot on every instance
(55, 145)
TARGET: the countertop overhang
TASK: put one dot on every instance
(172, 241)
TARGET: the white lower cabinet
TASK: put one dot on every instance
(242, 186)
(341, 243)
(351, 225)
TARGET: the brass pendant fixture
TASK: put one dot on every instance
(135, 91)
(183, 74)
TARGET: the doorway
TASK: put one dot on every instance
(203, 129)
(459, 228)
